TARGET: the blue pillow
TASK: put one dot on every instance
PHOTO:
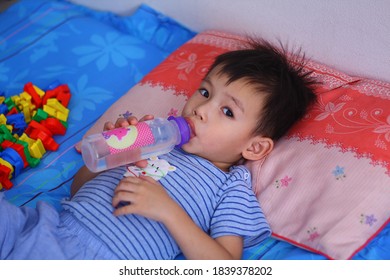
(156, 28)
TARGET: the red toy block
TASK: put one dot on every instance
(13, 111)
(36, 99)
(47, 141)
(37, 131)
(64, 95)
(36, 125)
(52, 93)
(4, 177)
(54, 125)
(61, 93)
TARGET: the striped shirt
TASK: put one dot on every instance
(221, 203)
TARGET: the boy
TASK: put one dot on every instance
(205, 208)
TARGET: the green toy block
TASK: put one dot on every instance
(31, 161)
(65, 124)
(40, 115)
(6, 134)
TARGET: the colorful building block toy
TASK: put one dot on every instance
(28, 122)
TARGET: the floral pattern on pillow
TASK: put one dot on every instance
(352, 121)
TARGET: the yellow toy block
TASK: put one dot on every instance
(26, 109)
(40, 92)
(3, 120)
(51, 111)
(55, 109)
(2, 98)
(24, 95)
(15, 99)
(35, 147)
(53, 102)
(27, 139)
(26, 101)
(23, 103)
(6, 163)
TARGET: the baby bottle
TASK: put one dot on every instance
(129, 144)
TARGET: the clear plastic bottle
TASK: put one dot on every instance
(125, 145)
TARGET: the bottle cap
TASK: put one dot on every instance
(184, 128)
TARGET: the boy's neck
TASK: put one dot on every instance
(224, 166)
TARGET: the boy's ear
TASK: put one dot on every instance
(258, 148)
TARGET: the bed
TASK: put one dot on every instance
(106, 61)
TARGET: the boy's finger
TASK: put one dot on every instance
(132, 120)
(108, 126)
(147, 178)
(146, 118)
(124, 210)
(121, 122)
(142, 163)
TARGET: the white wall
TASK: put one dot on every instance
(351, 35)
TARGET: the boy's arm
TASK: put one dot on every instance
(196, 244)
(82, 176)
(148, 198)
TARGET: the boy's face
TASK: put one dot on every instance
(223, 118)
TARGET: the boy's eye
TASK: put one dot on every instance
(204, 92)
(228, 112)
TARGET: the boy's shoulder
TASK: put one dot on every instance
(241, 171)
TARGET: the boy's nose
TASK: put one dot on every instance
(199, 113)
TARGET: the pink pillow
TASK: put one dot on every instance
(325, 187)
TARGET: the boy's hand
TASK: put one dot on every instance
(146, 197)
(122, 122)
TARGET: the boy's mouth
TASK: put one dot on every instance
(192, 127)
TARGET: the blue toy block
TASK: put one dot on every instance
(18, 123)
(13, 158)
(3, 109)
(53, 85)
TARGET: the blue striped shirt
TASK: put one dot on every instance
(221, 203)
